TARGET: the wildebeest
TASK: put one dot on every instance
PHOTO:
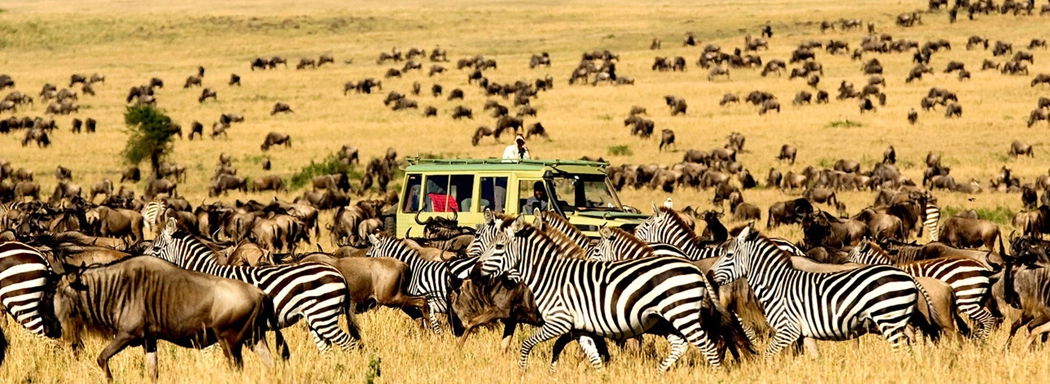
(969, 233)
(207, 93)
(460, 112)
(666, 139)
(235, 80)
(1018, 148)
(276, 138)
(141, 300)
(1042, 78)
(769, 105)
(280, 107)
(374, 281)
(676, 104)
(913, 116)
(788, 212)
(953, 110)
(787, 153)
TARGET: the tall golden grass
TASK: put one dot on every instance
(46, 41)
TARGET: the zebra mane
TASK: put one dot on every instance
(183, 235)
(559, 223)
(622, 235)
(678, 222)
(530, 231)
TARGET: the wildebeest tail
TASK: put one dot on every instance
(267, 320)
(351, 322)
(723, 328)
(3, 346)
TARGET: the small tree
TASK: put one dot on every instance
(149, 136)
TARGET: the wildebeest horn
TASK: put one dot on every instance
(407, 232)
(417, 218)
(455, 215)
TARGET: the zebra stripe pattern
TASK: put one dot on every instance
(828, 306)
(313, 291)
(617, 300)
(24, 276)
(969, 279)
(665, 226)
(429, 279)
(151, 215)
(616, 244)
(933, 217)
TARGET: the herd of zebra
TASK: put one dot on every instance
(659, 279)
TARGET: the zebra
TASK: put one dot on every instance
(616, 244)
(665, 226)
(151, 213)
(551, 220)
(618, 300)
(968, 278)
(25, 277)
(314, 291)
(825, 306)
(933, 217)
(430, 279)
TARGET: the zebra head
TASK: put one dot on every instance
(381, 246)
(499, 257)
(647, 230)
(603, 250)
(485, 234)
(164, 245)
(734, 263)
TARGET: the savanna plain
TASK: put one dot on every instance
(130, 42)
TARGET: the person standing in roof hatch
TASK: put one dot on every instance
(517, 151)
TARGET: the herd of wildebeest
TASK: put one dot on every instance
(59, 252)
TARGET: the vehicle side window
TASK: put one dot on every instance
(411, 198)
(532, 195)
(493, 194)
(448, 193)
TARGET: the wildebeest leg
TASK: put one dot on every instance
(1036, 332)
(509, 326)
(118, 344)
(1013, 331)
(3, 344)
(231, 345)
(150, 347)
(262, 349)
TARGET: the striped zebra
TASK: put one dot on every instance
(151, 213)
(822, 306)
(933, 217)
(553, 221)
(430, 279)
(968, 278)
(616, 244)
(617, 300)
(24, 279)
(313, 291)
(665, 226)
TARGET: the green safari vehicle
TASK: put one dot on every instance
(464, 188)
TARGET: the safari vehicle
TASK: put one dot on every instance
(464, 188)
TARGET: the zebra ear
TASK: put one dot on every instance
(518, 224)
(489, 217)
(655, 210)
(171, 225)
(372, 238)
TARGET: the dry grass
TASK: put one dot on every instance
(45, 41)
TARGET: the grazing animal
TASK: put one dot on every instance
(141, 300)
(280, 107)
(24, 279)
(276, 138)
(531, 255)
(666, 139)
(828, 306)
(207, 93)
(312, 291)
(429, 279)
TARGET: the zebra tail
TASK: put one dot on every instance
(929, 328)
(351, 322)
(722, 327)
(269, 321)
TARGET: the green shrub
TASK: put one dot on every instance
(330, 164)
(1000, 215)
(619, 150)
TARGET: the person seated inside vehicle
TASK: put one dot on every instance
(538, 200)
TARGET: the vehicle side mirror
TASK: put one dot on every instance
(630, 209)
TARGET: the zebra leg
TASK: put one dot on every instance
(556, 325)
(435, 325)
(892, 331)
(322, 345)
(749, 331)
(326, 327)
(980, 316)
(678, 347)
(590, 348)
(559, 346)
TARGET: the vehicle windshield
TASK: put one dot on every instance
(584, 193)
